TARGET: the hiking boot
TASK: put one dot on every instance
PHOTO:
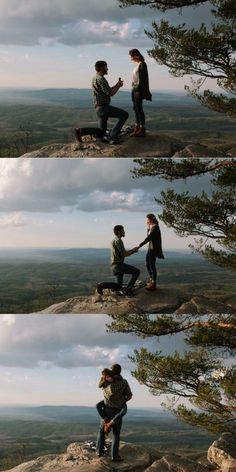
(117, 459)
(114, 141)
(99, 289)
(120, 293)
(152, 286)
(141, 133)
(136, 129)
(105, 139)
(149, 283)
(78, 135)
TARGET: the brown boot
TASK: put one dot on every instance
(141, 132)
(136, 129)
(108, 426)
(152, 286)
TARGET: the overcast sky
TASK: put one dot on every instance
(56, 43)
(57, 359)
(76, 202)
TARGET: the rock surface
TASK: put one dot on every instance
(153, 145)
(223, 452)
(174, 463)
(198, 150)
(163, 300)
(136, 459)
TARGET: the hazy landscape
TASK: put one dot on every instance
(31, 119)
(28, 432)
(32, 280)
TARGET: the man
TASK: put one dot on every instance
(119, 268)
(116, 391)
(102, 94)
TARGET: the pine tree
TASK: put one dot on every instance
(210, 216)
(204, 376)
(208, 53)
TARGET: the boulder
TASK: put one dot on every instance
(175, 463)
(223, 452)
(198, 150)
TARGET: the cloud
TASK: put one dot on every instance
(76, 22)
(124, 201)
(48, 185)
(13, 219)
(67, 21)
(68, 341)
(63, 341)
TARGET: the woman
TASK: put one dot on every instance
(154, 249)
(140, 91)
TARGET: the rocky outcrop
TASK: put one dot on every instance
(163, 300)
(153, 145)
(198, 150)
(200, 304)
(136, 459)
(223, 453)
(174, 463)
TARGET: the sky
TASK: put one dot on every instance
(56, 44)
(74, 203)
(57, 359)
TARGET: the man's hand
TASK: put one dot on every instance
(120, 83)
(135, 249)
(137, 95)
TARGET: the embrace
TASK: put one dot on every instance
(116, 392)
(120, 268)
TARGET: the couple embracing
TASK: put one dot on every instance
(116, 393)
(119, 253)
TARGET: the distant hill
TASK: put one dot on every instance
(80, 97)
(84, 414)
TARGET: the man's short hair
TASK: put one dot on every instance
(99, 65)
(117, 229)
(116, 369)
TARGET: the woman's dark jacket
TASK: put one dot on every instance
(143, 86)
(154, 240)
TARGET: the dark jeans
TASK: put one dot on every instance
(110, 413)
(119, 270)
(151, 265)
(138, 110)
(101, 408)
(110, 285)
(107, 111)
(98, 132)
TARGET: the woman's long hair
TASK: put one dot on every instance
(136, 52)
(152, 217)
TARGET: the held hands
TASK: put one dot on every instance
(135, 249)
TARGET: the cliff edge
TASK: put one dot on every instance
(153, 145)
(162, 300)
(136, 458)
